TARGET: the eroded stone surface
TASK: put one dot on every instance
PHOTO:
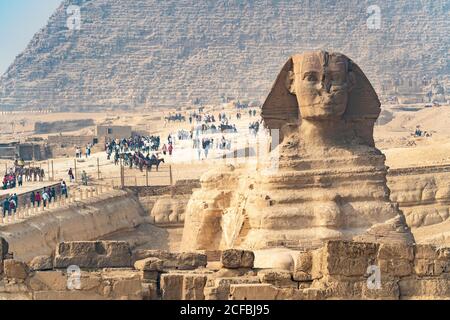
(93, 254)
(329, 181)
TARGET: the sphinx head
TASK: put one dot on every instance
(318, 86)
(321, 83)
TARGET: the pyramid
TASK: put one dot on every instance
(135, 53)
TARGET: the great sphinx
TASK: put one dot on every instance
(330, 182)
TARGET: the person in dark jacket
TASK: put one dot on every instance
(32, 198)
(6, 207)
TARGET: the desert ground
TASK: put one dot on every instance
(395, 138)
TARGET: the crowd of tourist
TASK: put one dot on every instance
(79, 152)
(44, 196)
(254, 128)
(15, 176)
(138, 151)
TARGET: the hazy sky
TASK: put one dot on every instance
(19, 21)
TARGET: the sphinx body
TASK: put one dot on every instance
(329, 181)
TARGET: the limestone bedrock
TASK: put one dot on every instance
(330, 179)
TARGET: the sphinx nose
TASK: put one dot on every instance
(326, 84)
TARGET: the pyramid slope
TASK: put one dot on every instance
(153, 52)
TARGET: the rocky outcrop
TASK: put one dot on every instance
(423, 194)
(151, 52)
(89, 219)
(93, 255)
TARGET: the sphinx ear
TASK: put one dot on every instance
(281, 106)
(351, 81)
(290, 82)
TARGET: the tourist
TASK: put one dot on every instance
(12, 205)
(71, 176)
(53, 194)
(64, 191)
(6, 207)
(170, 149)
(84, 178)
(15, 198)
(164, 149)
(45, 198)
(32, 198)
(38, 198)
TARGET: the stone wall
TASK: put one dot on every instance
(338, 270)
(62, 126)
(424, 196)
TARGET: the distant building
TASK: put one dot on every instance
(104, 133)
(25, 151)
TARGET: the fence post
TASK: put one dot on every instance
(146, 177)
(53, 172)
(122, 176)
(171, 182)
(98, 168)
(75, 167)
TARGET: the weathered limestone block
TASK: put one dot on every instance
(93, 254)
(186, 286)
(395, 260)
(262, 291)
(41, 263)
(219, 288)
(430, 261)
(121, 284)
(14, 290)
(340, 287)
(302, 294)
(234, 259)
(278, 278)
(179, 261)
(193, 287)
(4, 247)
(348, 258)
(389, 290)
(226, 273)
(425, 288)
(127, 289)
(48, 280)
(150, 291)
(303, 266)
(15, 269)
(149, 264)
(172, 286)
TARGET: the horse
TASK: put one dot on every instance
(154, 162)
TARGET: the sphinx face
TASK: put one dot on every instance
(321, 84)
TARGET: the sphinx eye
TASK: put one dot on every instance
(310, 77)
